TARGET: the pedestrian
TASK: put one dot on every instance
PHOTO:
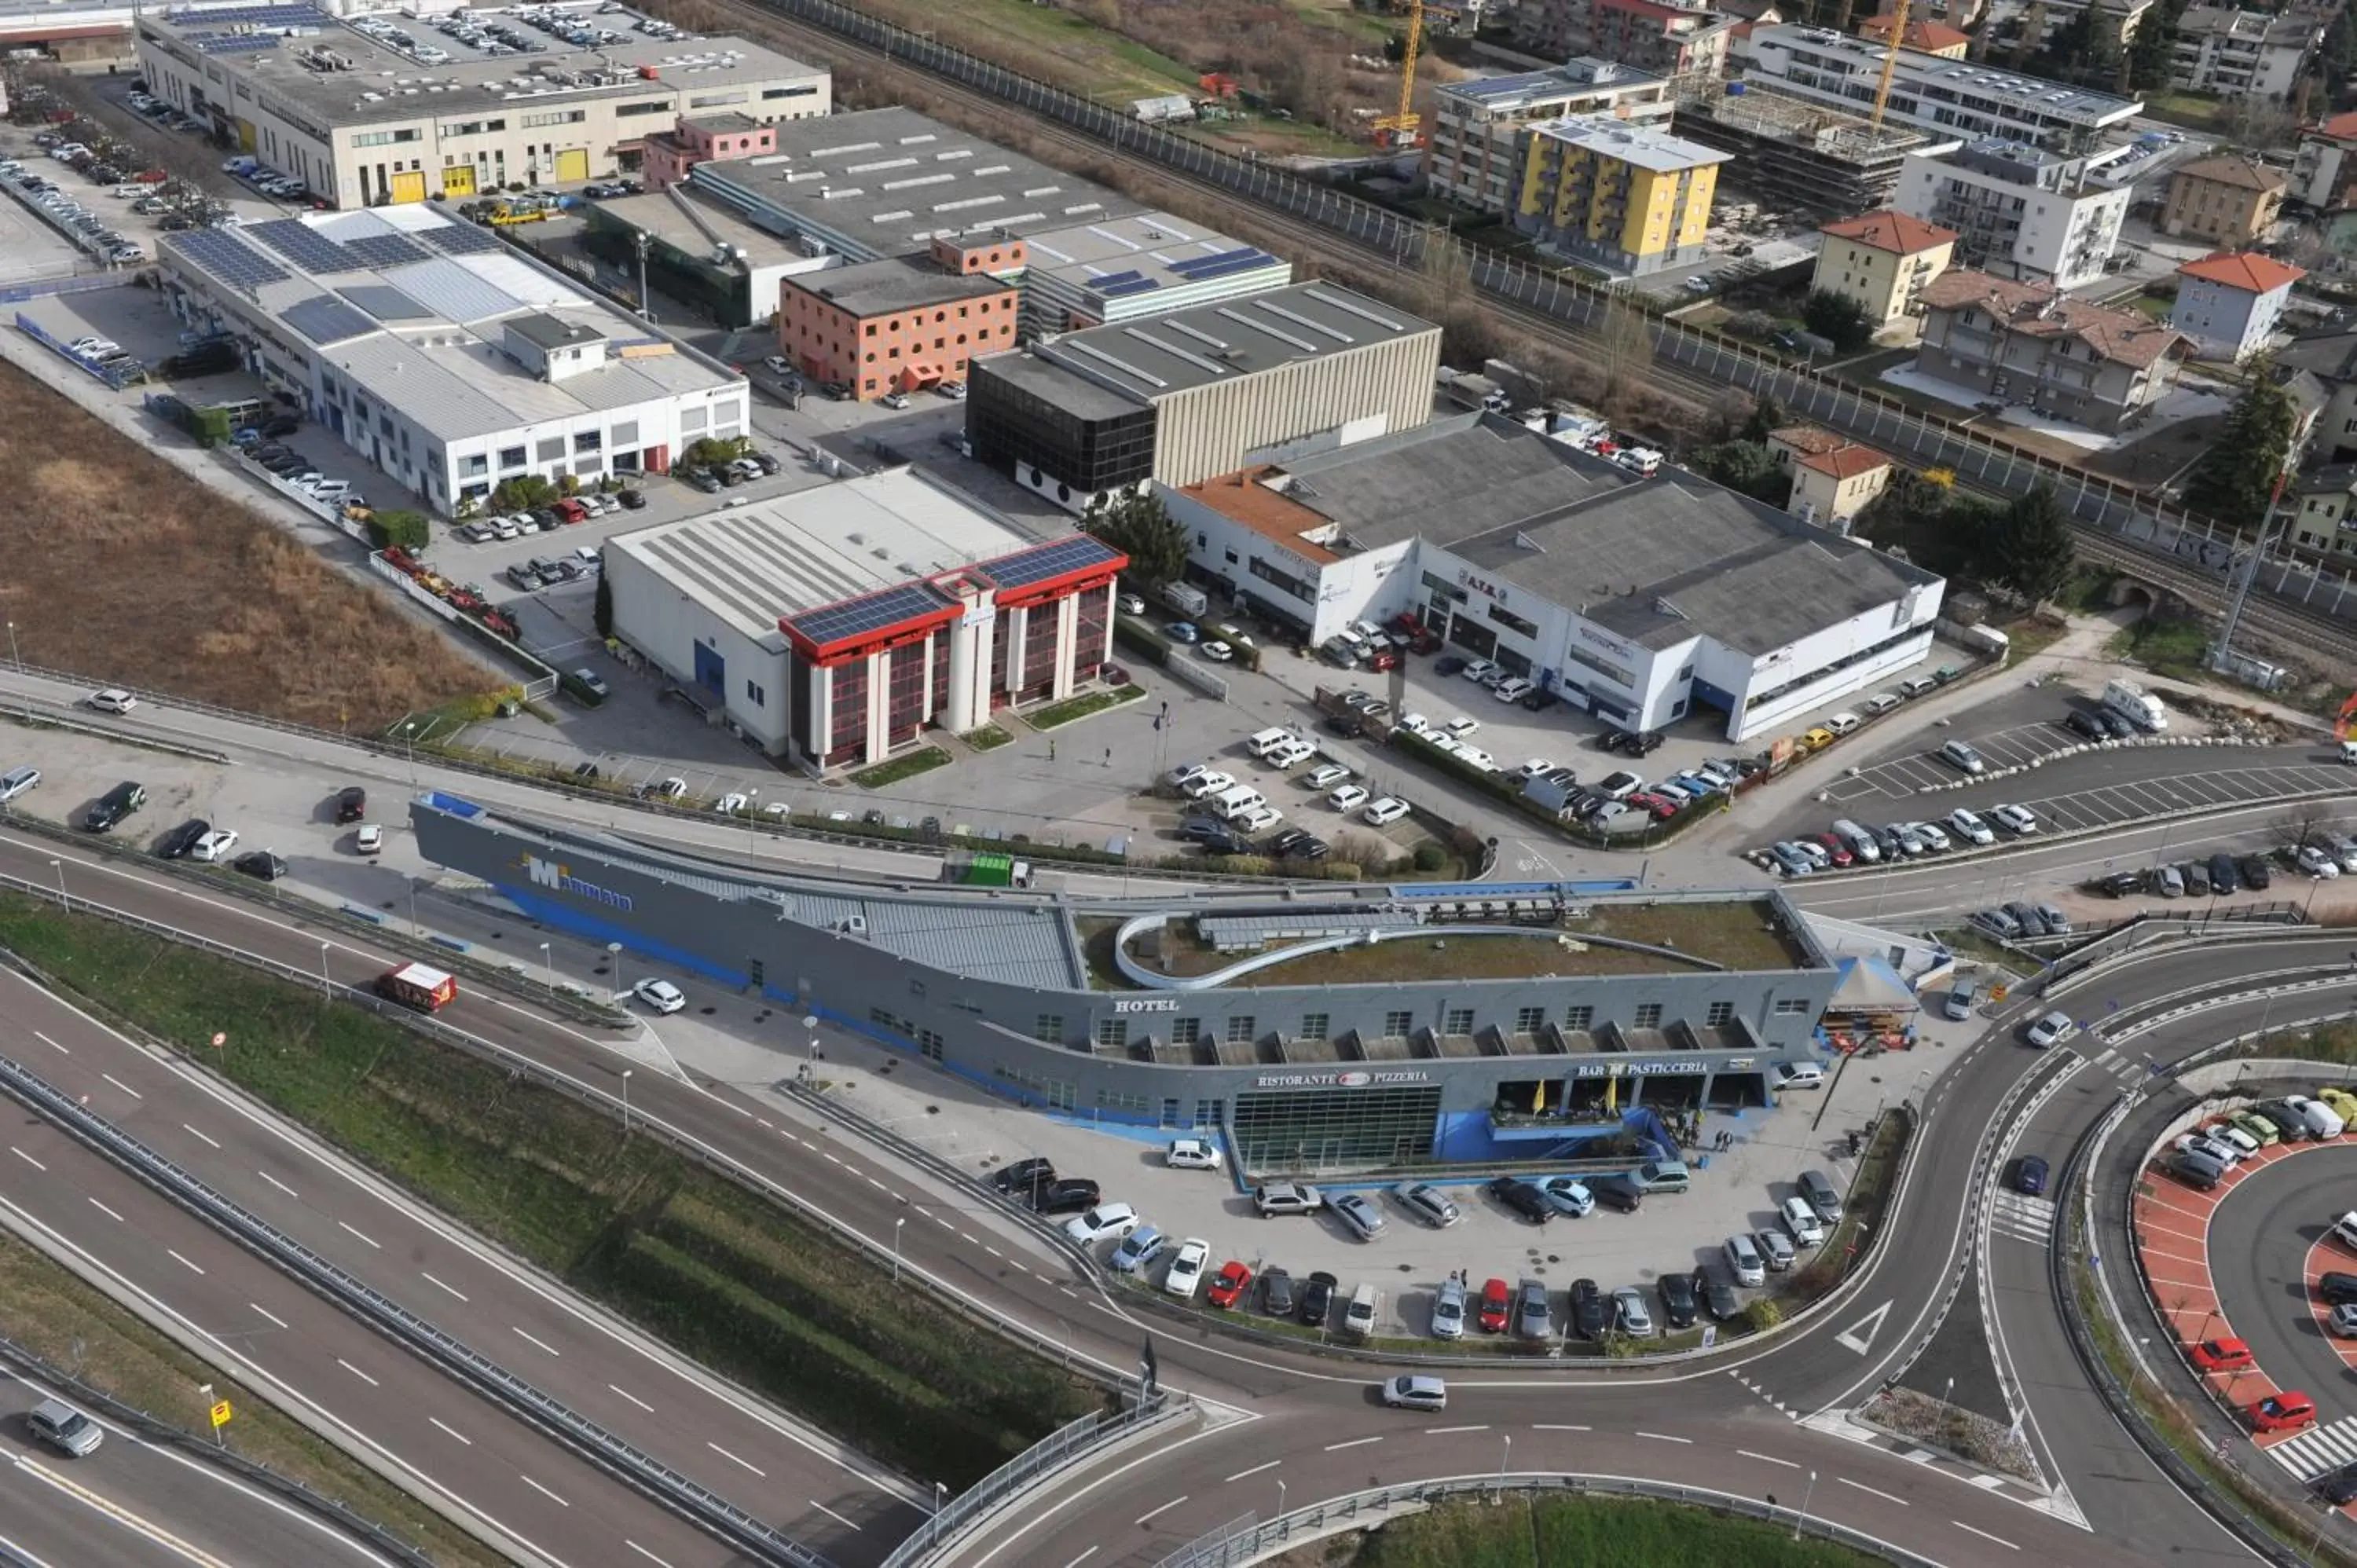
(1108, 756)
(1051, 751)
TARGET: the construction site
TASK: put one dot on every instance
(1790, 152)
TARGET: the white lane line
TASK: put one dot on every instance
(1253, 1471)
(878, 1185)
(267, 1313)
(1542, 1426)
(452, 1431)
(123, 1086)
(1083, 1557)
(1767, 1459)
(361, 1234)
(1444, 1431)
(542, 1343)
(633, 1399)
(51, 1044)
(642, 1552)
(276, 1183)
(832, 1514)
(185, 1128)
(107, 1212)
(1878, 1491)
(993, 1251)
(355, 1371)
(184, 1263)
(1665, 1437)
(1166, 1508)
(429, 1279)
(543, 1491)
(830, 1158)
(1354, 1443)
(1985, 1535)
(26, 1158)
(734, 1460)
(944, 1224)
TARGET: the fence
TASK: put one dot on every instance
(117, 380)
(540, 677)
(1249, 1539)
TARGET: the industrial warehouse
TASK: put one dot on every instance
(1321, 1028)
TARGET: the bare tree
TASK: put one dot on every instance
(2302, 825)
(1624, 345)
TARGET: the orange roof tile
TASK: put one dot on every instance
(1846, 461)
(1920, 35)
(2040, 310)
(1808, 438)
(2229, 170)
(2245, 269)
(1241, 497)
(2340, 127)
(1892, 231)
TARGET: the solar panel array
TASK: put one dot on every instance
(871, 612)
(1195, 269)
(303, 245)
(252, 16)
(1045, 561)
(234, 43)
(326, 319)
(230, 259)
(1246, 933)
(387, 249)
(385, 302)
(459, 240)
(1129, 286)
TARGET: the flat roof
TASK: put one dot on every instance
(755, 564)
(1957, 77)
(1243, 498)
(1194, 347)
(1582, 77)
(1076, 395)
(1455, 478)
(893, 283)
(659, 215)
(1137, 253)
(1644, 146)
(415, 307)
(891, 180)
(344, 76)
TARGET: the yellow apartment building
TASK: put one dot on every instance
(1627, 199)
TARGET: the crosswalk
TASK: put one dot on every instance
(2024, 1218)
(2129, 1070)
(2311, 1454)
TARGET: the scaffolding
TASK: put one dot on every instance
(1794, 151)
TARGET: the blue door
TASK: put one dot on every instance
(711, 670)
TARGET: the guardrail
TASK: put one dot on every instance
(1249, 1539)
(541, 679)
(620, 1459)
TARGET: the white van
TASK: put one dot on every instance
(1359, 1317)
(1230, 804)
(1861, 843)
(1267, 740)
(2323, 1122)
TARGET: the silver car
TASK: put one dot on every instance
(1427, 1202)
(1743, 1257)
(1448, 1311)
(1362, 1218)
(61, 1426)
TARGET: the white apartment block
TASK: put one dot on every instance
(2242, 54)
(2019, 213)
(1470, 157)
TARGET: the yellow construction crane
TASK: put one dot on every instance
(1401, 126)
(1890, 61)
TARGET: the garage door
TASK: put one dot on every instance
(409, 184)
(573, 163)
(458, 179)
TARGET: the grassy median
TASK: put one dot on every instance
(1545, 1531)
(727, 1277)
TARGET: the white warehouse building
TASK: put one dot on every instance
(1633, 599)
(448, 361)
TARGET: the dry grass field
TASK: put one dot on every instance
(124, 568)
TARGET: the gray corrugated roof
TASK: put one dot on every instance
(1160, 355)
(1450, 480)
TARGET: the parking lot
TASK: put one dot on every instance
(2015, 746)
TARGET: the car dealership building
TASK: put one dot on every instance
(1323, 1027)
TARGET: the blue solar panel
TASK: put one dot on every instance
(387, 249)
(230, 259)
(1108, 280)
(1135, 285)
(459, 238)
(1246, 264)
(326, 319)
(1072, 554)
(302, 244)
(1191, 266)
(874, 612)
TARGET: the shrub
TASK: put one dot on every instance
(400, 528)
(1763, 1315)
(1429, 857)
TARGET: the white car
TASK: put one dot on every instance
(2316, 862)
(1192, 1155)
(1105, 1220)
(1933, 836)
(660, 994)
(1186, 1273)
(1513, 689)
(1382, 813)
(732, 803)
(1448, 1311)
(1462, 727)
(1326, 775)
(1187, 773)
(1630, 1314)
(1259, 820)
(2052, 1029)
(1536, 765)
(1216, 651)
(1801, 1222)
(2014, 819)
(1204, 784)
(1415, 724)
(1970, 826)
(214, 846)
(1292, 754)
(1348, 797)
(1743, 1259)
(1474, 757)
(114, 700)
(1479, 672)
(368, 839)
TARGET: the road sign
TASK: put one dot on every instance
(219, 1040)
(1996, 993)
(221, 1414)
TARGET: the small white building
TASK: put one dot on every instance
(2018, 212)
(2230, 303)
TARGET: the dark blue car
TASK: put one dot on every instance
(2029, 1175)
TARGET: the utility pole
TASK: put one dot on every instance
(2221, 656)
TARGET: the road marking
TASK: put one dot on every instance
(1985, 1535)
(276, 1183)
(109, 1212)
(878, 1185)
(355, 1371)
(1665, 1437)
(429, 1279)
(633, 1399)
(543, 1491)
(123, 1086)
(993, 1251)
(185, 1128)
(1542, 1427)
(1166, 1508)
(1444, 1431)
(1083, 1557)
(51, 1042)
(645, 1554)
(184, 1261)
(1859, 1336)
(1767, 1459)
(1862, 1487)
(832, 1514)
(267, 1313)
(1354, 1443)
(1253, 1471)
(26, 1158)
(361, 1234)
(452, 1431)
(542, 1343)
(734, 1460)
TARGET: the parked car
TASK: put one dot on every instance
(1103, 1221)
(661, 995)
(1533, 1318)
(1286, 1198)
(1072, 1196)
(1139, 1248)
(1185, 1275)
(1523, 1198)
(1448, 1310)
(1358, 1215)
(1192, 1155)
(2213, 1356)
(1317, 1298)
(1567, 1195)
(1277, 1293)
(1678, 1303)
(1630, 1313)
(1230, 1285)
(1427, 1202)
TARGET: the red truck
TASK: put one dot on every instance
(414, 986)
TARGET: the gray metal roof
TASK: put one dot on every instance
(892, 283)
(1452, 479)
(1227, 341)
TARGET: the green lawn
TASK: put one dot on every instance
(1549, 1531)
(1072, 709)
(907, 764)
(2174, 647)
(740, 1284)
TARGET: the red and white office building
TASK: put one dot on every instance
(831, 626)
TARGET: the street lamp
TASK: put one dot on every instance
(896, 1224)
(60, 867)
(548, 968)
(614, 970)
(1504, 1458)
(941, 1496)
(1805, 1495)
(13, 657)
(626, 1100)
(326, 982)
(752, 800)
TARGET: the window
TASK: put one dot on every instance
(588, 440)
(754, 693)
(1721, 1014)
(1048, 1029)
(555, 117)
(1512, 621)
(930, 1042)
(473, 463)
(1459, 1021)
(1243, 1029)
(1397, 1023)
(1113, 1033)
(1578, 1020)
(550, 450)
(1313, 1025)
(1649, 1016)
(1529, 1020)
(626, 433)
(652, 106)
(1791, 1007)
(383, 138)
(1186, 1031)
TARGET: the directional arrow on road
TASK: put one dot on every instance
(1860, 1335)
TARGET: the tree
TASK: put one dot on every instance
(1746, 465)
(1837, 318)
(2235, 480)
(1141, 528)
(2152, 56)
(522, 493)
(407, 530)
(2029, 547)
(1767, 418)
(602, 611)
(1627, 346)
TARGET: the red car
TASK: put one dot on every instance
(1832, 846)
(2220, 1356)
(1662, 806)
(1497, 1306)
(2283, 1412)
(1384, 659)
(1229, 1288)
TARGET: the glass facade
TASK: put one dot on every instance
(849, 734)
(1335, 1129)
(1089, 631)
(1014, 427)
(1039, 653)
